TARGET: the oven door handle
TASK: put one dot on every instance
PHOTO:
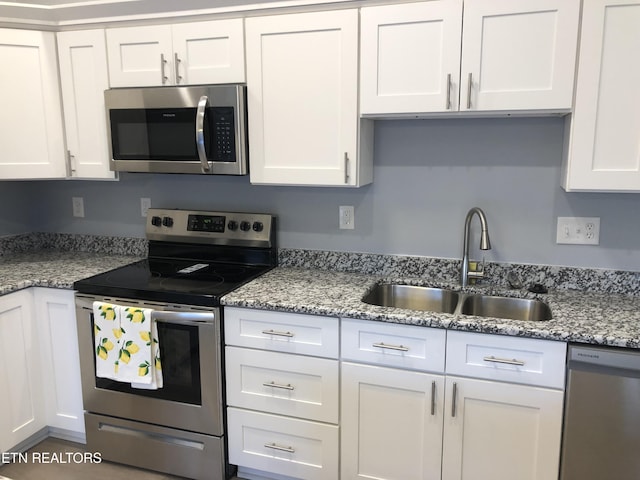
(202, 152)
(184, 318)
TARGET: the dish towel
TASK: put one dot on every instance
(107, 332)
(139, 354)
(126, 345)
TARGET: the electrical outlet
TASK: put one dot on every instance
(78, 206)
(578, 230)
(145, 205)
(347, 219)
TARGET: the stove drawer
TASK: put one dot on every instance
(283, 446)
(291, 385)
(283, 332)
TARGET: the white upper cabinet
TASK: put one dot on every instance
(497, 56)
(82, 56)
(302, 86)
(410, 57)
(181, 54)
(31, 133)
(603, 144)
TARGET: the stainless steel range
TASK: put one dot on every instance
(194, 259)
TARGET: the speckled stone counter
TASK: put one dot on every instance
(596, 318)
(54, 269)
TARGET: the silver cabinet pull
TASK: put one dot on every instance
(276, 333)
(176, 64)
(202, 152)
(507, 361)
(401, 348)
(275, 446)
(469, 91)
(448, 105)
(70, 164)
(454, 400)
(346, 167)
(163, 63)
(433, 398)
(279, 385)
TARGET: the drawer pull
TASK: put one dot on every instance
(401, 348)
(277, 333)
(275, 446)
(493, 359)
(279, 385)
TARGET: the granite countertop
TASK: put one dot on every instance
(55, 269)
(594, 318)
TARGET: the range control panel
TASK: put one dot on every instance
(224, 228)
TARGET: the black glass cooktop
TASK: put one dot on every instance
(188, 282)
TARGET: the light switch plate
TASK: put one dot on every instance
(578, 230)
(78, 206)
(145, 205)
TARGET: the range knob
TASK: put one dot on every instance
(156, 221)
(258, 226)
(167, 222)
(232, 225)
(245, 226)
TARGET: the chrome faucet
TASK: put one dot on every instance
(485, 244)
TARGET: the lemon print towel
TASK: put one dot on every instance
(139, 350)
(106, 324)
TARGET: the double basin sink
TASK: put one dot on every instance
(449, 301)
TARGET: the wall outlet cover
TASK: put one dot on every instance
(578, 230)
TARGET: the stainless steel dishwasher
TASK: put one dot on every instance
(602, 418)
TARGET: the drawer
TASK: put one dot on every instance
(403, 346)
(509, 359)
(282, 332)
(284, 446)
(292, 385)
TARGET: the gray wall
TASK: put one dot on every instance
(427, 174)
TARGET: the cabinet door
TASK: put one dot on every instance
(302, 83)
(501, 431)
(31, 134)
(519, 54)
(140, 56)
(84, 77)
(391, 423)
(604, 146)
(22, 400)
(209, 52)
(410, 57)
(56, 323)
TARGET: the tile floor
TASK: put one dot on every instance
(39, 470)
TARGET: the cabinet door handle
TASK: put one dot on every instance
(279, 385)
(346, 167)
(507, 361)
(469, 91)
(276, 333)
(401, 348)
(448, 105)
(163, 63)
(275, 446)
(433, 398)
(176, 64)
(454, 399)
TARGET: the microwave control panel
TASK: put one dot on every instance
(224, 141)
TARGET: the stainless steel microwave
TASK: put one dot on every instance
(196, 129)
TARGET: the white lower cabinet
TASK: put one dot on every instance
(283, 396)
(501, 431)
(22, 400)
(391, 423)
(58, 338)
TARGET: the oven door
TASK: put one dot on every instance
(190, 343)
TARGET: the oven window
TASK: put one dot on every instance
(180, 356)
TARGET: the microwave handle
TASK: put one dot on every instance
(202, 153)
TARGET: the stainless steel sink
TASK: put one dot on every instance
(505, 307)
(413, 297)
(448, 301)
